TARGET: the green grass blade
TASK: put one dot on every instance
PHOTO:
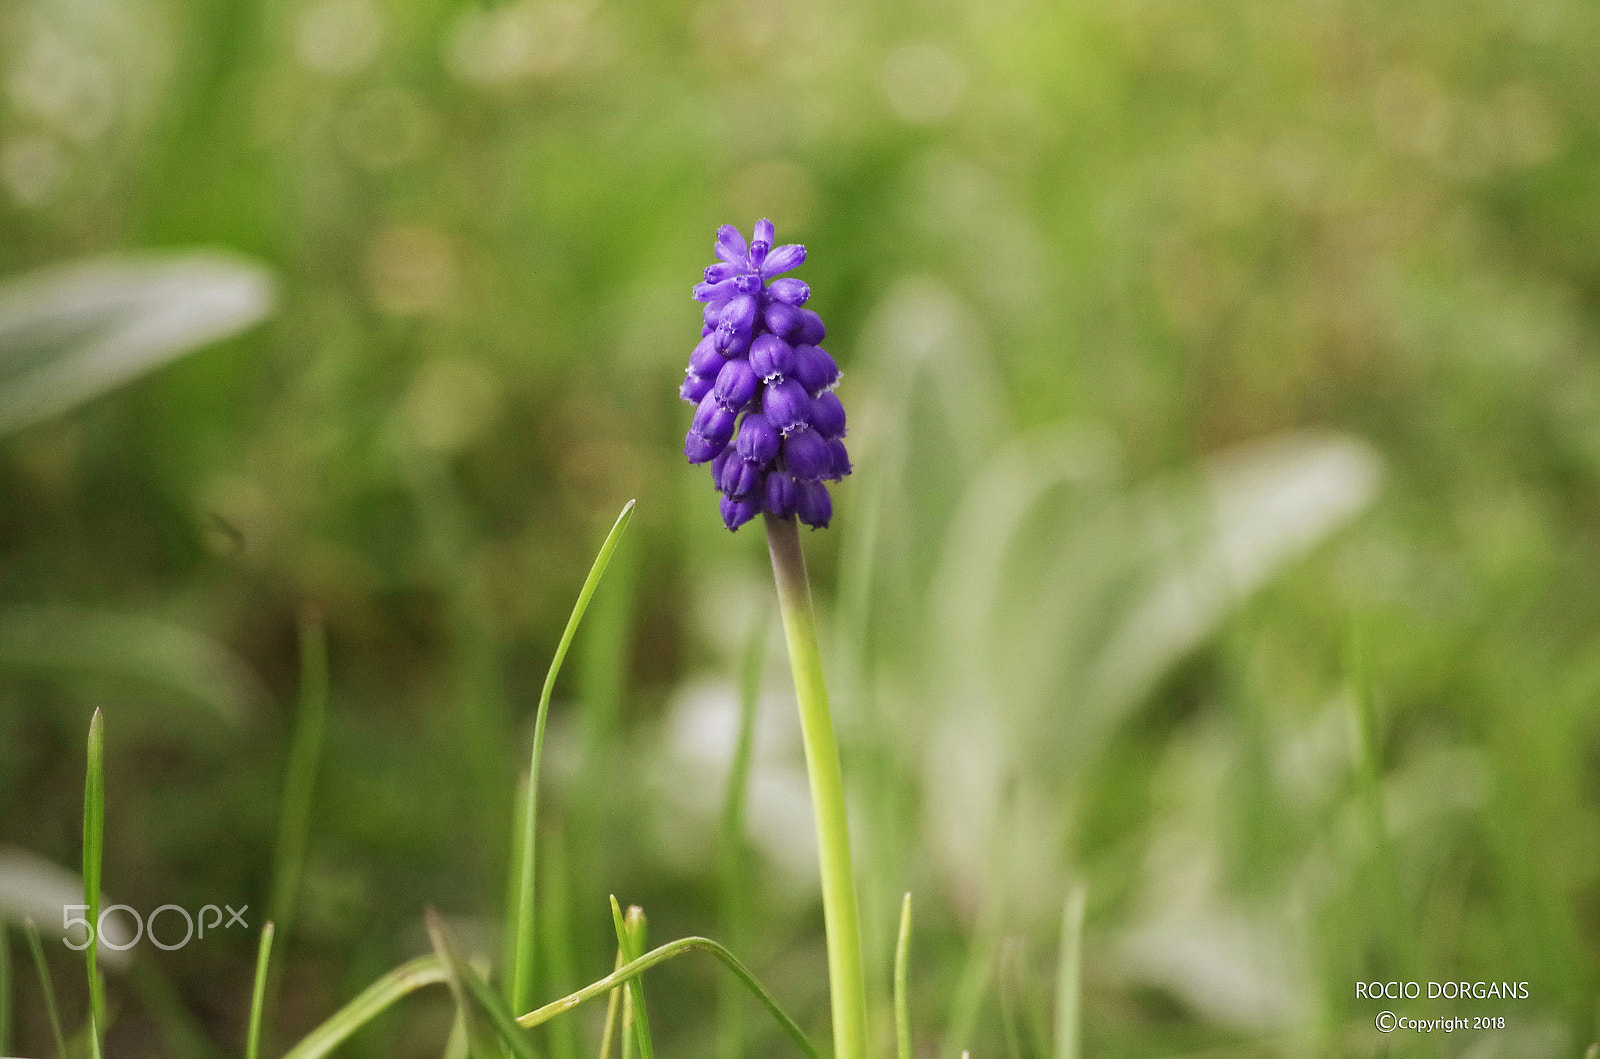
(474, 997)
(732, 854)
(631, 937)
(556, 922)
(1069, 976)
(455, 1046)
(628, 1038)
(523, 919)
(613, 1000)
(902, 983)
(633, 968)
(373, 1001)
(46, 987)
(258, 995)
(94, 820)
(300, 774)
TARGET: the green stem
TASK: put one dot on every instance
(846, 981)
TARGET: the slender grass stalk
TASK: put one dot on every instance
(556, 936)
(372, 1002)
(455, 1045)
(520, 993)
(94, 822)
(902, 983)
(846, 980)
(258, 995)
(732, 852)
(628, 971)
(1069, 976)
(31, 929)
(474, 997)
(631, 937)
(300, 773)
(613, 1001)
(628, 1038)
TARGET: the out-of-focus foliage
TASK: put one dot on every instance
(1209, 365)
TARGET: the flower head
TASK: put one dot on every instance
(766, 417)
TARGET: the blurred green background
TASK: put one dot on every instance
(1225, 533)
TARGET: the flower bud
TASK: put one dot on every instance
(701, 449)
(712, 421)
(731, 246)
(782, 259)
(736, 384)
(814, 505)
(812, 330)
(695, 387)
(783, 320)
(814, 369)
(827, 416)
(782, 494)
(786, 404)
(790, 291)
(841, 461)
(741, 478)
(705, 360)
(770, 357)
(806, 455)
(736, 513)
(758, 439)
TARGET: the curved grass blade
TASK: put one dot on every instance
(373, 1001)
(94, 819)
(474, 997)
(1069, 975)
(74, 331)
(902, 988)
(522, 922)
(46, 987)
(630, 936)
(628, 971)
(258, 995)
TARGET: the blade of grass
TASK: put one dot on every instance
(557, 939)
(1069, 976)
(455, 1046)
(481, 1039)
(613, 1000)
(902, 982)
(631, 937)
(626, 1051)
(732, 853)
(94, 815)
(474, 997)
(522, 921)
(628, 971)
(300, 773)
(258, 995)
(31, 929)
(372, 1002)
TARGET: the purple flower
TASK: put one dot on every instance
(758, 356)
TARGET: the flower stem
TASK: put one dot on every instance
(846, 982)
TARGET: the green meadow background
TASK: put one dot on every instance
(1224, 382)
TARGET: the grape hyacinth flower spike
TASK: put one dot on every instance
(766, 417)
(767, 421)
